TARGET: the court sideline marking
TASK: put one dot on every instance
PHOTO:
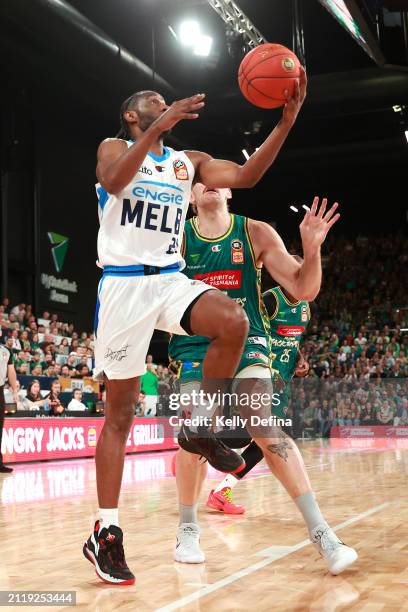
(272, 553)
(269, 473)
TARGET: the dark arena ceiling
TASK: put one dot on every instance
(94, 53)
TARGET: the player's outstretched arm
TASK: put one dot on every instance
(219, 173)
(300, 280)
(118, 163)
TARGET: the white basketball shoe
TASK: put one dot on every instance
(187, 548)
(337, 555)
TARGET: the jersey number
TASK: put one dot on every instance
(286, 356)
(173, 246)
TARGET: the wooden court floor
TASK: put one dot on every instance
(260, 561)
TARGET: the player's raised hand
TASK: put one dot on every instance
(294, 104)
(316, 224)
(181, 109)
(302, 367)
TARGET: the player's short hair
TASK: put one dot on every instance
(131, 103)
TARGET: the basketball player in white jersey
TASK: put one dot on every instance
(144, 192)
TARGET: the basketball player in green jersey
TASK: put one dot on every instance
(288, 321)
(228, 251)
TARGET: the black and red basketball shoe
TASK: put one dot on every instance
(205, 443)
(105, 550)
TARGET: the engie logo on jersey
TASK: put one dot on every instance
(303, 315)
(237, 252)
(180, 170)
(290, 330)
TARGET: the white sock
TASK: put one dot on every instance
(108, 517)
(229, 481)
(311, 512)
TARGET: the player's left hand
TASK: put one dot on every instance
(316, 224)
(302, 368)
(15, 397)
(293, 105)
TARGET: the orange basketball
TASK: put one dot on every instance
(266, 72)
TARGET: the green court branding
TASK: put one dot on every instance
(59, 249)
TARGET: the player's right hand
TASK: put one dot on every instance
(179, 110)
(294, 104)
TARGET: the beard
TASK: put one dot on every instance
(147, 120)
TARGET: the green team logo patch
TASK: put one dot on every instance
(59, 249)
(195, 256)
(237, 252)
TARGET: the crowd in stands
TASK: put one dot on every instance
(44, 348)
(357, 341)
(356, 344)
(45, 352)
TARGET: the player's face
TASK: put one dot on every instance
(149, 109)
(206, 196)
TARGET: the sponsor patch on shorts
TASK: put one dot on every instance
(257, 340)
(257, 355)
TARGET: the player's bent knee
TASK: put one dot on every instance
(190, 459)
(276, 447)
(235, 324)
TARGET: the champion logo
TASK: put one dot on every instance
(216, 248)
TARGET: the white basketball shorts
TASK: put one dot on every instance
(129, 309)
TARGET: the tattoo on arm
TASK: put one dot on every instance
(281, 448)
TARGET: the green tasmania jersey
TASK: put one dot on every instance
(228, 263)
(288, 323)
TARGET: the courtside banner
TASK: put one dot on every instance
(53, 438)
(366, 438)
(376, 431)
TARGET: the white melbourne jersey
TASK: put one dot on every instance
(144, 223)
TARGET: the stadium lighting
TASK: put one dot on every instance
(305, 207)
(406, 134)
(172, 32)
(245, 153)
(293, 208)
(189, 33)
(203, 46)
